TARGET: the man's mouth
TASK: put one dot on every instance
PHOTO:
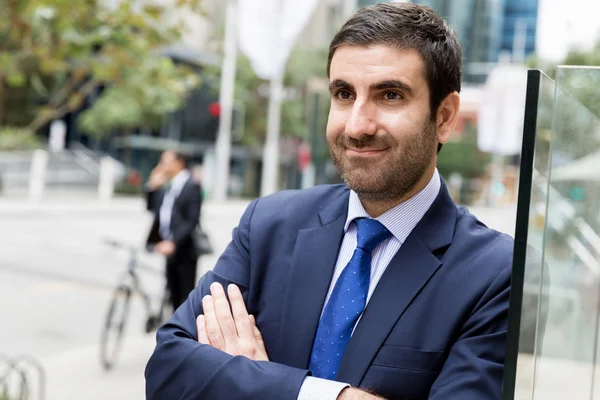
(364, 152)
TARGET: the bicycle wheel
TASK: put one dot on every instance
(154, 321)
(114, 326)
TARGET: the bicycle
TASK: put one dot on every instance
(118, 310)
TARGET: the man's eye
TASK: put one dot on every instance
(343, 95)
(393, 96)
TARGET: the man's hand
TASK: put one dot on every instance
(157, 178)
(355, 394)
(166, 247)
(230, 330)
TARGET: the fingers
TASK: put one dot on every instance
(201, 327)
(223, 313)
(261, 354)
(213, 330)
(229, 328)
(240, 314)
(256, 333)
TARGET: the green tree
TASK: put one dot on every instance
(250, 91)
(581, 86)
(577, 98)
(463, 156)
(56, 53)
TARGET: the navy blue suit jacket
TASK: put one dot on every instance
(435, 327)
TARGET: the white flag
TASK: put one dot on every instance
(268, 29)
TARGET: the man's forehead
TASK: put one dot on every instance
(369, 64)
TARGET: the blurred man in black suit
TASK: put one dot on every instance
(175, 199)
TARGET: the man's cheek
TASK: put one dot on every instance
(335, 127)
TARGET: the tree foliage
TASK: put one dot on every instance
(576, 112)
(252, 92)
(18, 139)
(582, 86)
(55, 54)
(463, 156)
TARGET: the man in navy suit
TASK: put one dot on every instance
(379, 288)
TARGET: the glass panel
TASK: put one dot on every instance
(526, 288)
(565, 360)
(556, 267)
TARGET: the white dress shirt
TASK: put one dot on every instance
(400, 221)
(166, 208)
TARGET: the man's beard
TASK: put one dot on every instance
(390, 178)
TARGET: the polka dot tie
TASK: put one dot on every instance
(347, 301)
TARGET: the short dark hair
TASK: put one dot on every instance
(181, 157)
(408, 26)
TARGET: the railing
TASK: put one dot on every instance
(14, 167)
(91, 160)
(85, 157)
(78, 165)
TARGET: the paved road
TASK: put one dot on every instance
(56, 278)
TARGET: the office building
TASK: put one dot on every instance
(519, 27)
(486, 28)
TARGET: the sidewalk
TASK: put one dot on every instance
(86, 204)
(77, 374)
(502, 219)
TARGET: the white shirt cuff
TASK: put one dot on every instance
(320, 389)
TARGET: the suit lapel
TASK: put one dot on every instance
(183, 192)
(410, 269)
(313, 263)
(407, 273)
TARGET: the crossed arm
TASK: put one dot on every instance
(229, 347)
(229, 328)
(220, 364)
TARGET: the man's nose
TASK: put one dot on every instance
(361, 121)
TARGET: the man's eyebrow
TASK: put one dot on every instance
(392, 84)
(339, 84)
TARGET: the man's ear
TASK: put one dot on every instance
(447, 115)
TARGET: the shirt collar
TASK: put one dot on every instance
(403, 218)
(179, 180)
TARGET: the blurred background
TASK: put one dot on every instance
(91, 93)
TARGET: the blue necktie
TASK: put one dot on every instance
(347, 301)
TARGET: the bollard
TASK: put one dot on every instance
(106, 183)
(37, 174)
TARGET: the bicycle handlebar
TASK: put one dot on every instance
(134, 250)
(128, 247)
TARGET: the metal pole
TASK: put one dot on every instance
(519, 41)
(310, 174)
(270, 170)
(271, 149)
(223, 144)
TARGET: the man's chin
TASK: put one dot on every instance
(372, 186)
(367, 185)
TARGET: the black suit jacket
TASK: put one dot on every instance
(185, 216)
